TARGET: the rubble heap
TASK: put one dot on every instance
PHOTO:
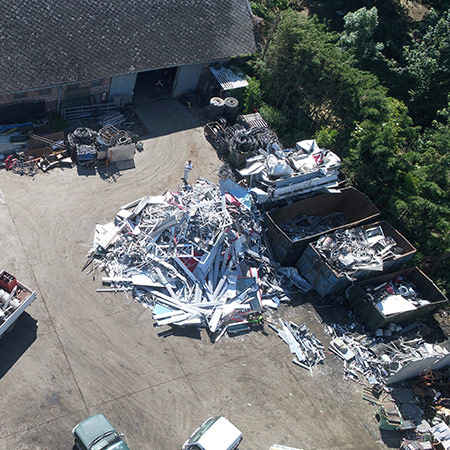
(197, 257)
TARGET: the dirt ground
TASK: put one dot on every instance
(76, 352)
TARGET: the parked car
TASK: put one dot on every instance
(217, 433)
(96, 433)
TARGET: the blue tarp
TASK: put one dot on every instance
(238, 192)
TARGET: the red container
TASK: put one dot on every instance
(7, 281)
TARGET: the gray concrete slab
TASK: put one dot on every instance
(77, 352)
(117, 349)
(39, 388)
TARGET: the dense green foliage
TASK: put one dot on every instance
(346, 88)
(426, 67)
(359, 34)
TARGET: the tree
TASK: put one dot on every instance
(252, 96)
(310, 85)
(427, 66)
(303, 69)
(359, 31)
(427, 215)
(380, 154)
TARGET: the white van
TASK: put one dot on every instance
(217, 433)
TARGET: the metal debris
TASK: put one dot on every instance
(15, 297)
(373, 358)
(197, 256)
(304, 226)
(266, 165)
(110, 136)
(308, 350)
(85, 144)
(395, 296)
(356, 249)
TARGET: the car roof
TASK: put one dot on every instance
(220, 436)
(92, 427)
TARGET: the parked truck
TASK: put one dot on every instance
(15, 297)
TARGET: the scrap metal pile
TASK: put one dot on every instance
(30, 160)
(87, 145)
(239, 143)
(196, 256)
(356, 248)
(308, 350)
(292, 172)
(273, 172)
(376, 358)
(304, 226)
(395, 296)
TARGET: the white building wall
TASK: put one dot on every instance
(122, 87)
(186, 79)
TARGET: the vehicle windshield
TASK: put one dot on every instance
(202, 430)
(104, 441)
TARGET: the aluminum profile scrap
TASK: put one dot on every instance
(197, 257)
(308, 350)
(356, 248)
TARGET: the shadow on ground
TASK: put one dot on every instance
(189, 332)
(165, 117)
(16, 342)
(110, 173)
(392, 438)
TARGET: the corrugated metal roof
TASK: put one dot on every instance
(254, 120)
(229, 78)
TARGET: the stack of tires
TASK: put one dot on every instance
(216, 107)
(231, 108)
(242, 145)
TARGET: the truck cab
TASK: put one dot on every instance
(216, 433)
(96, 433)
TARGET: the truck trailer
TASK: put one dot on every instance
(15, 297)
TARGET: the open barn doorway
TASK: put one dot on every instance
(154, 85)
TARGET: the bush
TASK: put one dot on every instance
(252, 96)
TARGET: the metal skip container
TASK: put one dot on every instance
(374, 318)
(327, 280)
(355, 207)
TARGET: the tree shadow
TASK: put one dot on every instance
(17, 341)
